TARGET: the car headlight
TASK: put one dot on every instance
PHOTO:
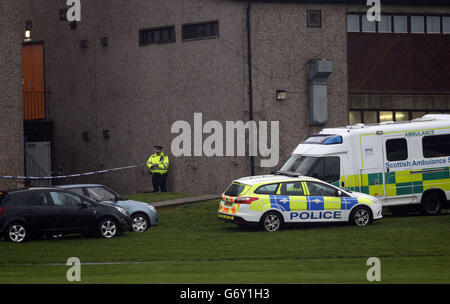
(122, 210)
(151, 208)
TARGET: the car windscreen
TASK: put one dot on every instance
(101, 194)
(325, 168)
(235, 189)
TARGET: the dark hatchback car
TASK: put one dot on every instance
(49, 211)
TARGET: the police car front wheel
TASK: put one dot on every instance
(272, 221)
(361, 216)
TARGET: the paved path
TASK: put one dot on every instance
(186, 200)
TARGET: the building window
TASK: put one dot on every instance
(433, 24)
(370, 117)
(355, 117)
(314, 18)
(385, 116)
(446, 25)
(368, 26)
(385, 24)
(353, 23)
(401, 116)
(157, 35)
(396, 149)
(400, 24)
(377, 116)
(405, 23)
(417, 24)
(201, 30)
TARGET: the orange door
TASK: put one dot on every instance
(33, 81)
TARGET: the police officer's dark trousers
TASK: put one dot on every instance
(159, 182)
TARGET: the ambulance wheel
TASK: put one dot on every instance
(272, 221)
(432, 204)
(361, 216)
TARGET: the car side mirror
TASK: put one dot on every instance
(84, 205)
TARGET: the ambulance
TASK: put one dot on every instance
(405, 165)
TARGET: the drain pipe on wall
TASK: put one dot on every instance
(250, 84)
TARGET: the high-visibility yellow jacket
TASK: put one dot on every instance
(162, 162)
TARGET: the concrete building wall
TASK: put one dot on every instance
(139, 92)
(282, 47)
(12, 26)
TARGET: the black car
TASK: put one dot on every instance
(49, 211)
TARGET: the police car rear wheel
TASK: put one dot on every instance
(272, 221)
(361, 216)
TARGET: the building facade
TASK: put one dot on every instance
(118, 81)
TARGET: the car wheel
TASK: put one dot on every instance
(139, 222)
(432, 204)
(17, 233)
(107, 228)
(272, 221)
(361, 216)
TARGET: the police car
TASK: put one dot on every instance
(275, 200)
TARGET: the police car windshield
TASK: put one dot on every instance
(324, 168)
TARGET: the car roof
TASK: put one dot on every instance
(79, 186)
(30, 189)
(253, 180)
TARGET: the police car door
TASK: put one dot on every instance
(397, 170)
(324, 203)
(294, 194)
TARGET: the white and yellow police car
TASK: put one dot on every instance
(275, 200)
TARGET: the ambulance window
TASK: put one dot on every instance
(267, 189)
(292, 188)
(319, 189)
(234, 189)
(436, 146)
(396, 149)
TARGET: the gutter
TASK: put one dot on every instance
(250, 79)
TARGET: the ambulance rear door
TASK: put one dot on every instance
(371, 172)
(397, 170)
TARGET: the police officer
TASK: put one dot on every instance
(158, 163)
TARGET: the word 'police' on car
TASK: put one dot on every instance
(275, 200)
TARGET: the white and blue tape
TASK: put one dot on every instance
(67, 176)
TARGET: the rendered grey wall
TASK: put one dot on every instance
(139, 92)
(283, 45)
(12, 24)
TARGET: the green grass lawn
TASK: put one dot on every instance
(192, 246)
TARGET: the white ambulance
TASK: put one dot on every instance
(404, 164)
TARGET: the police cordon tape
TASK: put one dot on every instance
(68, 176)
